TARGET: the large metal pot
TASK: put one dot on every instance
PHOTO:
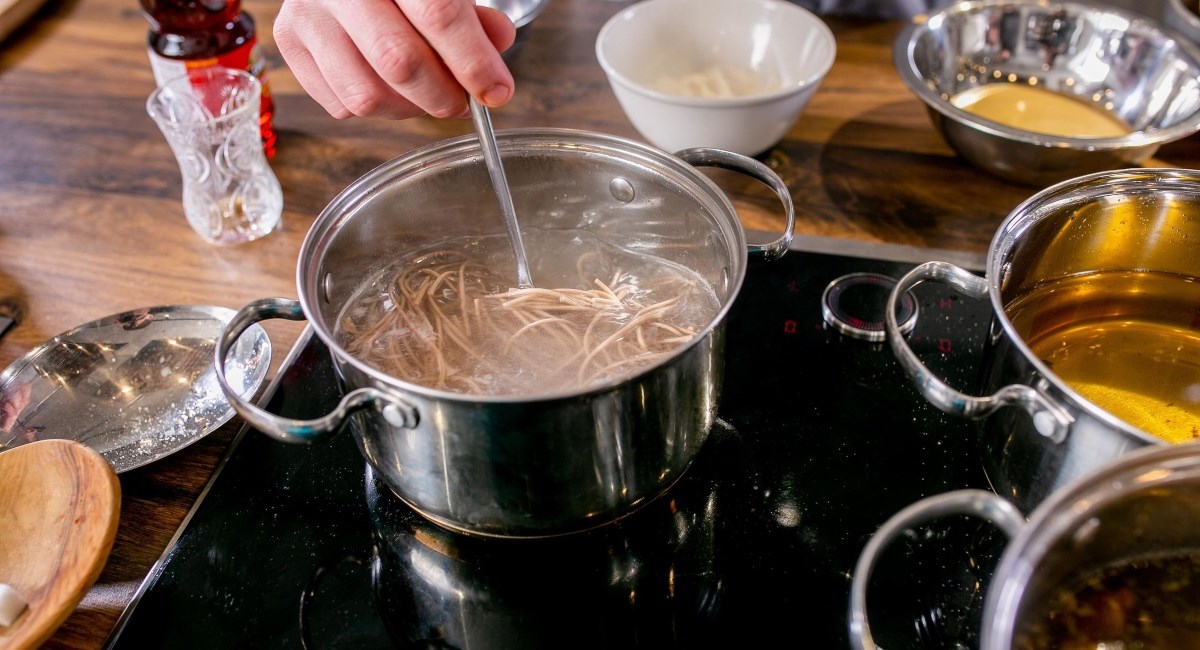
(533, 465)
(1038, 433)
(1142, 507)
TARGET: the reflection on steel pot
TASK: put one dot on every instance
(651, 583)
(1095, 335)
(525, 466)
(1141, 511)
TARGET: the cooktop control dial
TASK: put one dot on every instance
(855, 304)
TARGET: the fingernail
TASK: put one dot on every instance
(496, 95)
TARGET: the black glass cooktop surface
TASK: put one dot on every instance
(821, 437)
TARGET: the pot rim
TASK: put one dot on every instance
(1061, 515)
(1033, 210)
(327, 223)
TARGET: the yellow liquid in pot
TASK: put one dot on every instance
(1127, 342)
(1031, 108)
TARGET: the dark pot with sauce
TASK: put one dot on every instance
(1094, 346)
(1112, 560)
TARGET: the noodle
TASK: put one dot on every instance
(443, 321)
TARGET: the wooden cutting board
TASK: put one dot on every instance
(15, 12)
(59, 506)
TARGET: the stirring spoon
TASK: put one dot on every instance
(491, 156)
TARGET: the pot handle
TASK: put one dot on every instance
(707, 157)
(1050, 419)
(394, 411)
(980, 503)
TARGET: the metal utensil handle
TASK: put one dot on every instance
(395, 411)
(979, 503)
(495, 167)
(1050, 419)
(706, 157)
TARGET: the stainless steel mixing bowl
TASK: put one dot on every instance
(1126, 64)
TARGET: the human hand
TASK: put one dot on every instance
(13, 399)
(396, 58)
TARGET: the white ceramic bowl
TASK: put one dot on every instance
(765, 58)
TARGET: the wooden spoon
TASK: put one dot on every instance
(59, 506)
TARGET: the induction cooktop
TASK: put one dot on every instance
(820, 438)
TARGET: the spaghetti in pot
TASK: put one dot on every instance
(446, 319)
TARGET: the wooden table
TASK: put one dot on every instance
(91, 221)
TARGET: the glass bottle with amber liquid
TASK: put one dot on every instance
(187, 34)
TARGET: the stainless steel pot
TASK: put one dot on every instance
(533, 465)
(1037, 432)
(1144, 505)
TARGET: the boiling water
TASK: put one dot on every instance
(448, 317)
(1128, 342)
(1148, 604)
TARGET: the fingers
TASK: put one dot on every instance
(454, 29)
(289, 32)
(498, 27)
(401, 57)
(332, 70)
(308, 73)
(396, 58)
(356, 83)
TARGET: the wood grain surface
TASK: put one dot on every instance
(91, 222)
(59, 507)
(13, 13)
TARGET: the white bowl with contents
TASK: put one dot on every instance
(730, 74)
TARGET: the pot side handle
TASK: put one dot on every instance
(1050, 419)
(393, 410)
(980, 503)
(707, 157)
